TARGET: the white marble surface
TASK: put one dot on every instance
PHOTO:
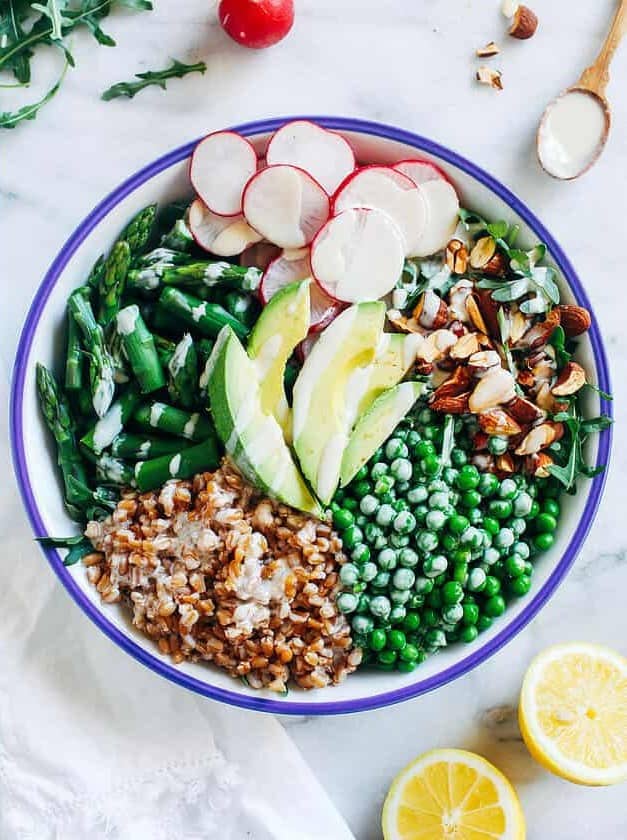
(409, 64)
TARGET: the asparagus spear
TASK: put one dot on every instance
(179, 237)
(195, 276)
(114, 470)
(173, 421)
(143, 447)
(140, 349)
(100, 436)
(56, 412)
(139, 230)
(74, 356)
(163, 256)
(95, 275)
(243, 307)
(165, 349)
(206, 318)
(112, 281)
(184, 464)
(101, 367)
(183, 374)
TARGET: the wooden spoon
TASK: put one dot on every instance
(591, 84)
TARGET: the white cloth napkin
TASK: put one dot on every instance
(94, 745)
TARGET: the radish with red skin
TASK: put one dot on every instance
(420, 171)
(325, 155)
(286, 205)
(221, 166)
(358, 255)
(224, 236)
(256, 24)
(289, 267)
(442, 218)
(259, 255)
(384, 188)
(304, 348)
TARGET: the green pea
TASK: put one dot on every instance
(347, 602)
(397, 614)
(424, 449)
(386, 559)
(497, 444)
(420, 512)
(430, 617)
(468, 477)
(352, 536)
(449, 543)
(460, 573)
(409, 654)
(361, 520)
(449, 475)
(475, 516)
(349, 574)
(360, 554)
(504, 539)
(492, 586)
(403, 579)
(411, 621)
(462, 555)
(381, 580)
(535, 510)
(491, 556)
(385, 515)
(380, 542)
(518, 526)
(435, 638)
(430, 465)
(452, 592)
(471, 613)
(522, 504)
(543, 542)
(399, 540)
(369, 572)
(484, 622)
(457, 524)
(395, 448)
(508, 489)
(458, 457)
(368, 504)
(515, 565)
(423, 585)
(404, 522)
(551, 507)
(364, 603)
(417, 494)
(522, 549)
(477, 580)
(545, 523)
(435, 520)
(412, 438)
(471, 499)
(520, 586)
(396, 640)
(380, 606)
(439, 500)
(401, 469)
(361, 489)
(371, 532)
(468, 634)
(416, 602)
(378, 470)
(399, 505)
(472, 538)
(361, 473)
(453, 613)
(427, 541)
(431, 433)
(407, 558)
(343, 518)
(383, 486)
(434, 565)
(400, 597)
(500, 509)
(491, 525)
(362, 624)
(351, 504)
(387, 657)
(494, 606)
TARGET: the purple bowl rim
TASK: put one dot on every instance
(170, 672)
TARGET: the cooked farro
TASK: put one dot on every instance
(212, 570)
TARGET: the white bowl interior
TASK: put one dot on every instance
(40, 458)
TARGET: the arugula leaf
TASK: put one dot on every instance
(156, 77)
(53, 10)
(79, 546)
(577, 431)
(11, 31)
(604, 396)
(9, 119)
(558, 341)
(498, 230)
(60, 542)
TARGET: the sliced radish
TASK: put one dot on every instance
(420, 171)
(358, 255)
(286, 205)
(282, 271)
(327, 156)
(304, 348)
(290, 267)
(224, 236)
(259, 255)
(221, 165)
(383, 188)
(442, 218)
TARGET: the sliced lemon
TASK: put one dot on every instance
(452, 795)
(573, 713)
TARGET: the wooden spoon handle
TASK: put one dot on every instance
(596, 77)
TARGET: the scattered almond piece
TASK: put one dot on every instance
(487, 76)
(491, 49)
(524, 24)
(509, 8)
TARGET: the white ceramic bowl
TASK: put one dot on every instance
(42, 338)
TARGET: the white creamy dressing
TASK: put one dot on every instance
(571, 134)
(269, 351)
(321, 357)
(215, 271)
(329, 468)
(103, 395)
(126, 319)
(112, 467)
(245, 414)
(156, 410)
(144, 449)
(181, 350)
(199, 311)
(108, 427)
(190, 427)
(175, 465)
(251, 278)
(148, 278)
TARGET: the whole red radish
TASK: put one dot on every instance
(256, 23)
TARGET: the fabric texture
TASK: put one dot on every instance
(94, 745)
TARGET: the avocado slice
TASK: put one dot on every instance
(283, 323)
(376, 425)
(395, 355)
(321, 421)
(252, 439)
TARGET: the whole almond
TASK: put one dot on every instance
(539, 438)
(431, 311)
(571, 379)
(524, 411)
(498, 422)
(574, 319)
(537, 464)
(466, 346)
(493, 389)
(524, 24)
(456, 384)
(451, 405)
(540, 333)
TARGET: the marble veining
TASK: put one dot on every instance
(409, 65)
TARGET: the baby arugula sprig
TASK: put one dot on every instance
(26, 26)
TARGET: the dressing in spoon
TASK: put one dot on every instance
(575, 126)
